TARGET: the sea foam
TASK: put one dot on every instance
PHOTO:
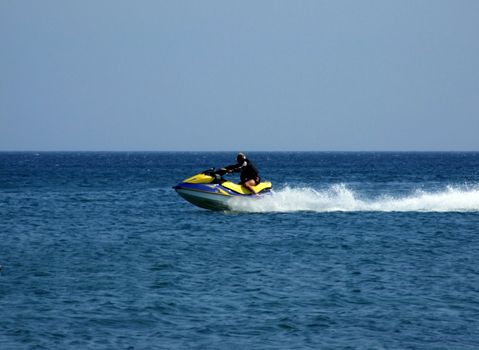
(341, 198)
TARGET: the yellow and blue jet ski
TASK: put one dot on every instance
(210, 190)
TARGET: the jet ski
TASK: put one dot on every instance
(210, 190)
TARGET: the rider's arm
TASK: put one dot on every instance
(233, 168)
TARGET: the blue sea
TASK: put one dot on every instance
(351, 251)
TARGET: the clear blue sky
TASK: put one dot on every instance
(239, 75)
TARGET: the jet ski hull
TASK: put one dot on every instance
(213, 196)
(207, 191)
(206, 200)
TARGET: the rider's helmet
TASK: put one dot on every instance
(240, 158)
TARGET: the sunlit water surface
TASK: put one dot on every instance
(352, 250)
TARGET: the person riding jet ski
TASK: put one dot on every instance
(249, 174)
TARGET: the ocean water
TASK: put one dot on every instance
(351, 251)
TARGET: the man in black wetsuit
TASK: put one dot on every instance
(249, 174)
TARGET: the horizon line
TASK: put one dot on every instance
(233, 151)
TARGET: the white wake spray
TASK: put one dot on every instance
(340, 198)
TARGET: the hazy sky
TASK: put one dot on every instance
(239, 75)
